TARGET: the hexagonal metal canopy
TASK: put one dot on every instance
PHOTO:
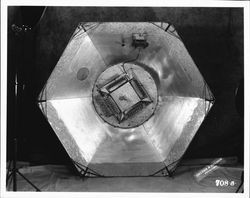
(125, 99)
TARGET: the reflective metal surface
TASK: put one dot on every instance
(183, 98)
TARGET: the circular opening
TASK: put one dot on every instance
(125, 95)
(82, 73)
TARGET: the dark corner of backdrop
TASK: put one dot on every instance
(36, 142)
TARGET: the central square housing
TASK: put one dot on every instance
(125, 97)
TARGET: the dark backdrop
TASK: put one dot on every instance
(213, 37)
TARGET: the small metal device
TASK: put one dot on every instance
(139, 40)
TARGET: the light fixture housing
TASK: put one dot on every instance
(125, 99)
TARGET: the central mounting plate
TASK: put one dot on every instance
(125, 95)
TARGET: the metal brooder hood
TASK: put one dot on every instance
(125, 99)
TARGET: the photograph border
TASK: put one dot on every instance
(126, 3)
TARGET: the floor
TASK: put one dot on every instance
(58, 178)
